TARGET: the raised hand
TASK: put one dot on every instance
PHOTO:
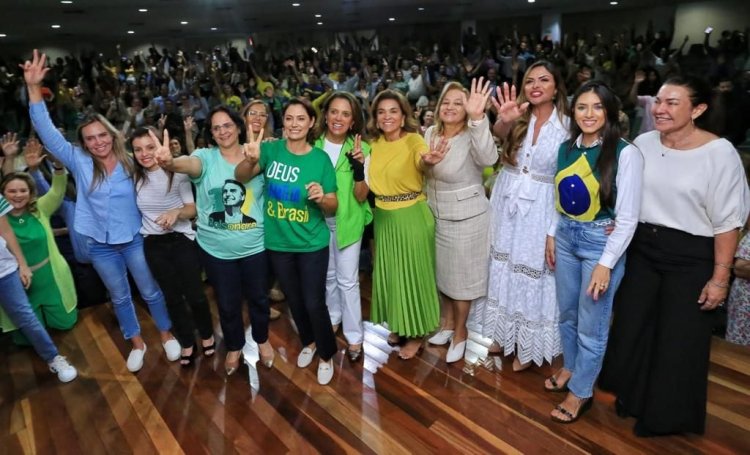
(476, 103)
(188, 122)
(357, 159)
(640, 76)
(35, 70)
(162, 155)
(33, 153)
(438, 149)
(162, 121)
(251, 148)
(506, 105)
(9, 144)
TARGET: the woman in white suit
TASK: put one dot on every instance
(457, 199)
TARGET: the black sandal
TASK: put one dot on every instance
(393, 343)
(187, 360)
(209, 350)
(555, 387)
(572, 418)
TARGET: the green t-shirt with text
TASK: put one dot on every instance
(293, 223)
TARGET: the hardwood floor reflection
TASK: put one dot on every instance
(381, 405)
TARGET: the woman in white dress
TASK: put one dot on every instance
(520, 314)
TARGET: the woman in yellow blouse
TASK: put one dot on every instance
(404, 293)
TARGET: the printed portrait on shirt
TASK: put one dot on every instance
(236, 206)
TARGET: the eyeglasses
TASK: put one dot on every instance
(256, 114)
(226, 126)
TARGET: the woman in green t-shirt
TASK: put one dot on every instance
(300, 191)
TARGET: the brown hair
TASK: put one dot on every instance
(411, 124)
(268, 128)
(513, 142)
(31, 206)
(439, 127)
(118, 148)
(140, 173)
(358, 120)
(310, 113)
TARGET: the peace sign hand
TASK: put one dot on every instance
(476, 103)
(357, 159)
(35, 70)
(506, 105)
(162, 155)
(251, 148)
(438, 149)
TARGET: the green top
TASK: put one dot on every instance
(293, 222)
(230, 214)
(577, 181)
(351, 216)
(46, 206)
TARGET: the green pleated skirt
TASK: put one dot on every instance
(404, 293)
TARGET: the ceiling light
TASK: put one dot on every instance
(213, 29)
(613, 3)
(320, 23)
(295, 4)
(532, 1)
(318, 15)
(184, 22)
(3, 35)
(391, 19)
(421, 8)
(130, 32)
(143, 10)
(55, 26)
(66, 2)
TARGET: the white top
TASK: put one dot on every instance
(153, 199)
(333, 150)
(702, 191)
(8, 262)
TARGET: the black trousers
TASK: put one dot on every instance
(658, 353)
(173, 260)
(302, 277)
(233, 279)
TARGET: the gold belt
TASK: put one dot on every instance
(400, 197)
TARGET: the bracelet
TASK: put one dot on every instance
(726, 266)
(718, 285)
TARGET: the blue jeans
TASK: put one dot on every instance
(112, 263)
(16, 305)
(584, 322)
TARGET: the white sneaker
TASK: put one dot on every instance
(135, 359)
(305, 357)
(441, 338)
(172, 349)
(325, 372)
(65, 371)
(455, 352)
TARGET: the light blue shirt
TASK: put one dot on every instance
(108, 213)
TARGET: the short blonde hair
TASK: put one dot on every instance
(439, 127)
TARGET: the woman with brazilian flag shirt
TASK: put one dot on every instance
(300, 191)
(598, 195)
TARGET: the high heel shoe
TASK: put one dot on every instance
(210, 349)
(187, 360)
(267, 360)
(442, 337)
(455, 352)
(354, 355)
(231, 367)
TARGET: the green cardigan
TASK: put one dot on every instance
(351, 215)
(46, 206)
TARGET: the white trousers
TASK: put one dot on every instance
(342, 287)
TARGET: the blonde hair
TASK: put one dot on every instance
(411, 124)
(268, 127)
(439, 126)
(118, 148)
(517, 135)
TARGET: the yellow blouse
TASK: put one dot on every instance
(395, 169)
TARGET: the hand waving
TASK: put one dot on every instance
(9, 144)
(438, 149)
(35, 70)
(251, 148)
(507, 107)
(33, 153)
(162, 154)
(476, 103)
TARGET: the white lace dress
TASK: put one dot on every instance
(520, 312)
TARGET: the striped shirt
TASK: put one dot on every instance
(8, 263)
(154, 198)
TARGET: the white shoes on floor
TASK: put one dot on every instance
(135, 359)
(325, 372)
(172, 349)
(305, 357)
(455, 352)
(441, 338)
(65, 371)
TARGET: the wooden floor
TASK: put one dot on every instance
(384, 405)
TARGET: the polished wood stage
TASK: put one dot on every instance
(382, 405)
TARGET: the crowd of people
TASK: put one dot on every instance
(262, 168)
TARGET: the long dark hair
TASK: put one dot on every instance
(610, 135)
(140, 173)
(309, 109)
